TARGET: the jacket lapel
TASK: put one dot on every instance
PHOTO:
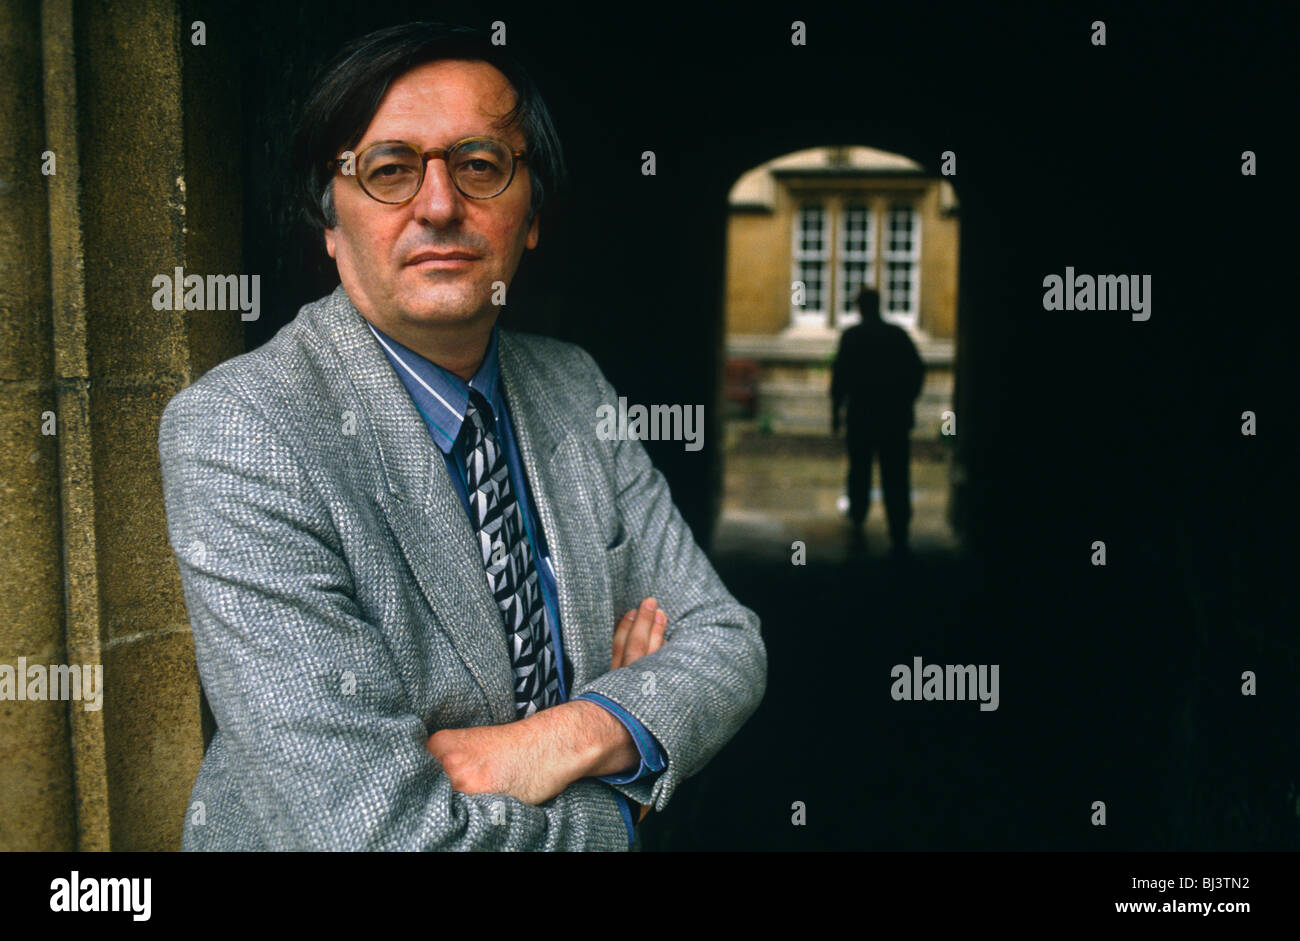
(553, 459)
(423, 508)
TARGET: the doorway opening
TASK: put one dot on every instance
(805, 232)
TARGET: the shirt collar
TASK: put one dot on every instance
(442, 396)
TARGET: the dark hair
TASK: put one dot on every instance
(349, 88)
(868, 302)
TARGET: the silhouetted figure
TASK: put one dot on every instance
(878, 373)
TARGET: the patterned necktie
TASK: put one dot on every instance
(511, 575)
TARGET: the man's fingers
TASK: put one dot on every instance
(620, 638)
(657, 631)
(638, 633)
(638, 638)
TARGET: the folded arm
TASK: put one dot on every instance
(694, 693)
(535, 758)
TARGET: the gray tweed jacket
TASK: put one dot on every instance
(341, 614)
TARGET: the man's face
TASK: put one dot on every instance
(374, 244)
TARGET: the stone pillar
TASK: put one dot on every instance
(140, 129)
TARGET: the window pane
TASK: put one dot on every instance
(810, 264)
(902, 253)
(855, 261)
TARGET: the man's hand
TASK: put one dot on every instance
(536, 758)
(640, 632)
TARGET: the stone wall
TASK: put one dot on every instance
(112, 177)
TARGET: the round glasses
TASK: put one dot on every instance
(393, 171)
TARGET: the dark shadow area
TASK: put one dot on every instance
(1159, 732)
(1119, 683)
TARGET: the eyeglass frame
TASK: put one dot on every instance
(425, 156)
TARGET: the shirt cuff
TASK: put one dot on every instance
(652, 756)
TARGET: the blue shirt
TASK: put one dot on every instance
(441, 397)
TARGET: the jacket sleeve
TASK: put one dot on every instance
(304, 688)
(839, 368)
(917, 370)
(698, 689)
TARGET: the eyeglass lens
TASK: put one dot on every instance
(393, 172)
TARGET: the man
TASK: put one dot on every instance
(403, 546)
(879, 374)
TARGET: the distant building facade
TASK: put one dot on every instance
(804, 232)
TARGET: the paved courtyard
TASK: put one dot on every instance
(779, 489)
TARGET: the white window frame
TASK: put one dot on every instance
(846, 311)
(808, 316)
(909, 317)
